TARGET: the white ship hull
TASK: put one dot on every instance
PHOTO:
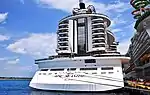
(79, 80)
(76, 84)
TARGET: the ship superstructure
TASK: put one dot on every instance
(85, 33)
(87, 57)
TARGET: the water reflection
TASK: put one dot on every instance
(36, 92)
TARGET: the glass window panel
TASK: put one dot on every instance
(57, 70)
(81, 20)
(107, 68)
(81, 40)
(90, 61)
(88, 68)
(44, 70)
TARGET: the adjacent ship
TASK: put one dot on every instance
(87, 57)
(139, 49)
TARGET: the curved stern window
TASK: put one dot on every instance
(107, 68)
(44, 70)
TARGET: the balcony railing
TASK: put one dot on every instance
(63, 37)
(66, 32)
(98, 38)
(63, 24)
(95, 46)
(63, 28)
(102, 43)
(98, 19)
(100, 33)
(62, 42)
(98, 28)
(100, 23)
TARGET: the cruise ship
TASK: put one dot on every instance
(87, 57)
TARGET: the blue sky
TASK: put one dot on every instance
(27, 29)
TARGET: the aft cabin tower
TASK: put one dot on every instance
(85, 32)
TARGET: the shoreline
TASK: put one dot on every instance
(14, 78)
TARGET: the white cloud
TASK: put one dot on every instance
(131, 27)
(119, 6)
(36, 45)
(68, 5)
(3, 17)
(8, 58)
(116, 30)
(3, 38)
(15, 61)
(123, 46)
(118, 20)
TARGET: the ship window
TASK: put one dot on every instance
(94, 73)
(81, 40)
(98, 36)
(49, 73)
(63, 48)
(71, 69)
(64, 39)
(98, 31)
(97, 21)
(95, 46)
(44, 73)
(98, 41)
(64, 44)
(44, 69)
(63, 26)
(81, 20)
(110, 72)
(63, 35)
(57, 70)
(90, 61)
(94, 17)
(107, 68)
(103, 72)
(98, 26)
(88, 68)
(81, 24)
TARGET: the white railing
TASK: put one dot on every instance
(101, 43)
(100, 33)
(98, 28)
(100, 38)
(63, 28)
(98, 19)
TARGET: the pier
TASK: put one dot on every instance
(136, 88)
(136, 91)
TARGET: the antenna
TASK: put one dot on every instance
(81, 4)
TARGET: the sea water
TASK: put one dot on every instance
(21, 87)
